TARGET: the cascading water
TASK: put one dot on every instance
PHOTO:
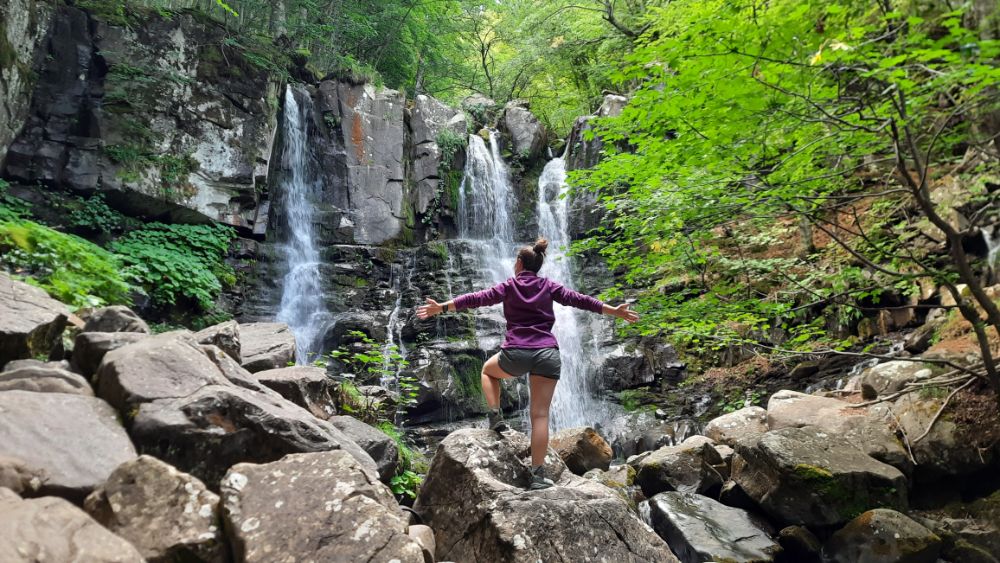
(302, 304)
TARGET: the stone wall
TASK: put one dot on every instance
(23, 26)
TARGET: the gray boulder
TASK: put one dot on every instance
(167, 515)
(687, 467)
(474, 498)
(430, 118)
(814, 478)
(32, 323)
(116, 318)
(526, 132)
(43, 377)
(266, 346)
(882, 536)
(306, 386)
(376, 443)
(890, 377)
(799, 544)
(314, 507)
(745, 423)
(581, 449)
(51, 529)
(224, 335)
(89, 348)
(62, 444)
(25, 25)
(698, 529)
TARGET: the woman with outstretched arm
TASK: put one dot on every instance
(529, 346)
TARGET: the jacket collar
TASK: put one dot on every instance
(527, 274)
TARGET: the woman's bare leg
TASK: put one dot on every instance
(542, 389)
(491, 376)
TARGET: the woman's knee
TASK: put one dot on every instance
(539, 413)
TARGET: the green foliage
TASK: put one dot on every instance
(175, 262)
(406, 483)
(70, 268)
(449, 143)
(12, 208)
(93, 214)
(173, 170)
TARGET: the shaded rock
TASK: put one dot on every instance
(474, 498)
(698, 529)
(69, 443)
(814, 478)
(627, 368)
(52, 529)
(430, 119)
(802, 370)
(116, 318)
(581, 449)
(89, 348)
(424, 536)
(745, 423)
(224, 335)
(266, 346)
(882, 536)
(890, 377)
(43, 378)
(526, 132)
(32, 323)
(687, 467)
(379, 445)
(733, 495)
(306, 386)
(866, 428)
(314, 507)
(167, 515)
(800, 545)
(24, 28)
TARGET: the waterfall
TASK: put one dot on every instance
(302, 303)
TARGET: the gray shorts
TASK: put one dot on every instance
(536, 361)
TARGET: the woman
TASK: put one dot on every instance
(529, 346)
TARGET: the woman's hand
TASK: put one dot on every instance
(430, 309)
(623, 312)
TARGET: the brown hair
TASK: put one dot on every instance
(531, 257)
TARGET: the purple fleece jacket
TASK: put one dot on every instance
(527, 305)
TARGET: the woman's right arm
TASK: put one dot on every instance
(484, 298)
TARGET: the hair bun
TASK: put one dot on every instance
(541, 245)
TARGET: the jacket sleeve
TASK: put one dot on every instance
(483, 298)
(570, 298)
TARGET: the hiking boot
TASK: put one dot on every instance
(495, 422)
(538, 480)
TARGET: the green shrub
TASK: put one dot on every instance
(94, 214)
(71, 269)
(12, 208)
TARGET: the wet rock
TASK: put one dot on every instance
(687, 467)
(526, 132)
(799, 545)
(167, 515)
(882, 535)
(89, 348)
(64, 444)
(117, 318)
(224, 335)
(314, 507)
(698, 528)
(474, 498)
(306, 386)
(52, 529)
(745, 423)
(890, 377)
(32, 321)
(379, 445)
(266, 346)
(866, 428)
(814, 478)
(43, 377)
(581, 449)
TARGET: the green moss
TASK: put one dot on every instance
(813, 473)
(468, 370)
(8, 56)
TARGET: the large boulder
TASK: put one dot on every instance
(224, 335)
(116, 318)
(815, 478)
(687, 467)
(167, 515)
(306, 386)
(430, 122)
(314, 507)
(43, 377)
(32, 323)
(474, 498)
(627, 367)
(51, 529)
(65, 444)
(526, 132)
(890, 377)
(698, 529)
(266, 346)
(89, 348)
(581, 449)
(882, 536)
(376, 443)
(866, 428)
(745, 423)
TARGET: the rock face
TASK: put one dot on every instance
(51, 529)
(475, 500)
(23, 26)
(629, 367)
(32, 321)
(167, 515)
(882, 535)
(64, 444)
(429, 120)
(811, 477)
(581, 449)
(165, 87)
(116, 318)
(526, 132)
(378, 444)
(698, 529)
(687, 467)
(314, 507)
(266, 346)
(746, 423)
(89, 348)
(44, 378)
(306, 386)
